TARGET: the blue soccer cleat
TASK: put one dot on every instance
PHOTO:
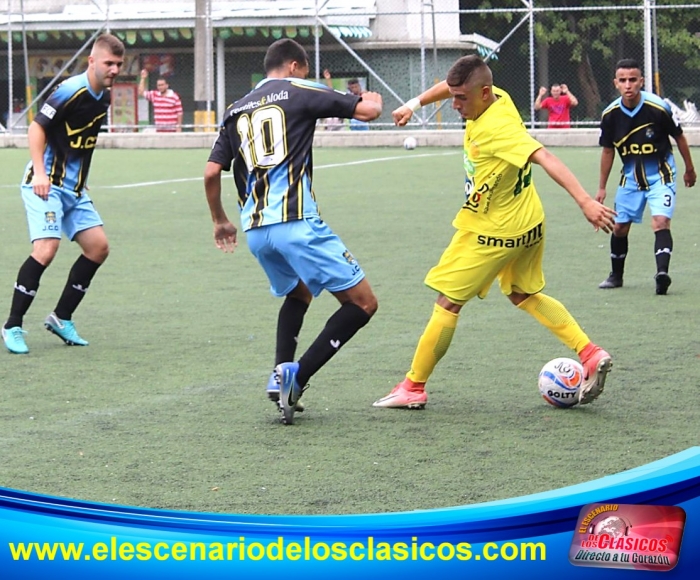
(65, 330)
(14, 340)
(273, 389)
(290, 391)
(273, 393)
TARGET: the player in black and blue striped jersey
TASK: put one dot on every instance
(62, 139)
(638, 124)
(267, 137)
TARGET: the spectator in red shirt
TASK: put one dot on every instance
(558, 104)
(167, 108)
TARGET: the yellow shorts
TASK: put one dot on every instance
(472, 261)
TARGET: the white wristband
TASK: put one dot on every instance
(413, 104)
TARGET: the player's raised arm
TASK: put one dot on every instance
(403, 114)
(142, 83)
(369, 108)
(540, 95)
(596, 213)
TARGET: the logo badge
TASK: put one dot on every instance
(48, 111)
(50, 217)
(349, 258)
(469, 168)
(628, 536)
(352, 262)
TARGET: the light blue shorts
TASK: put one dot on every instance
(63, 213)
(357, 125)
(305, 250)
(630, 203)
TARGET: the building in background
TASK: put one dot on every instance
(397, 45)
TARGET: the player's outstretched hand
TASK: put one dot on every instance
(689, 177)
(601, 216)
(402, 115)
(225, 236)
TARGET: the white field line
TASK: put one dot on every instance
(316, 167)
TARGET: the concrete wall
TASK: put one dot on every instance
(548, 137)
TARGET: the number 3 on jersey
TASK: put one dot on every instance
(263, 137)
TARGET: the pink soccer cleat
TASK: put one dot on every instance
(596, 366)
(405, 395)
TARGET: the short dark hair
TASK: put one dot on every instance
(461, 71)
(283, 51)
(627, 63)
(110, 42)
(353, 81)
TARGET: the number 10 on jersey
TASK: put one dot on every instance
(263, 137)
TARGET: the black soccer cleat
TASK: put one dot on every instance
(612, 281)
(663, 281)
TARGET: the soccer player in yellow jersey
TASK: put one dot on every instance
(500, 230)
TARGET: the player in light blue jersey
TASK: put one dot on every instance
(638, 124)
(61, 141)
(267, 137)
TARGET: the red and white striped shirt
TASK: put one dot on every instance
(166, 109)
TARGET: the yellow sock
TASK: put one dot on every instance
(554, 315)
(433, 344)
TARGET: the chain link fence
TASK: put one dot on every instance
(397, 48)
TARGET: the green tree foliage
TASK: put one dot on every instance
(601, 36)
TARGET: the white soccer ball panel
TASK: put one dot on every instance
(559, 382)
(410, 143)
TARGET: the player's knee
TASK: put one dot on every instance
(659, 223)
(99, 252)
(103, 251)
(517, 298)
(301, 293)
(44, 258)
(621, 230)
(370, 305)
(374, 306)
(44, 251)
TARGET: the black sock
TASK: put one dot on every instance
(79, 279)
(26, 287)
(618, 253)
(663, 247)
(289, 322)
(339, 329)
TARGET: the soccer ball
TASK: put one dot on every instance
(559, 382)
(410, 143)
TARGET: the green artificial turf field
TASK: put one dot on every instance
(166, 407)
